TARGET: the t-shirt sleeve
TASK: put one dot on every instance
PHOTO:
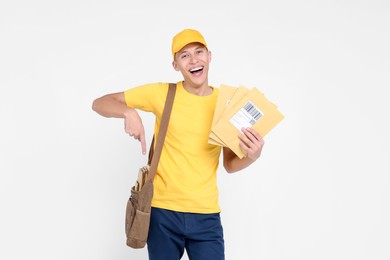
(148, 97)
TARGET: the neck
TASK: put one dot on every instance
(198, 90)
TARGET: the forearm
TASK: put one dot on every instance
(251, 143)
(114, 105)
(111, 105)
(232, 163)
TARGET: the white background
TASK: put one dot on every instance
(321, 187)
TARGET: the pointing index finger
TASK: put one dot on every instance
(143, 144)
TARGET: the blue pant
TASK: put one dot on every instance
(170, 232)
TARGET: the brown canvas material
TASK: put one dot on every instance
(139, 204)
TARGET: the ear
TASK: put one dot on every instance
(209, 56)
(175, 66)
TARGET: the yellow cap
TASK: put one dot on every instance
(185, 37)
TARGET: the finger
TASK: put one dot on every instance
(245, 140)
(252, 134)
(244, 148)
(127, 128)
(143, 144)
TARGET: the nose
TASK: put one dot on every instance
(193, 59)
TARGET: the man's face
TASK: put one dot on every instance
(193, 62)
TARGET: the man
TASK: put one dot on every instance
(185, 209)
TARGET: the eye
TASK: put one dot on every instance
(183, 55)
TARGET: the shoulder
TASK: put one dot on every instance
(215, 91)
(150, 86)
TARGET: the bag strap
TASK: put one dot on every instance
(154, 154)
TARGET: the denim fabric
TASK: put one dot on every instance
(170, 233)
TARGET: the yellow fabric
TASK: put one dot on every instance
(185, 37)
(186, 178)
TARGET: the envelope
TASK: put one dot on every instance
(228, 95)
(246, 109)
(225, 94)
(142, 176)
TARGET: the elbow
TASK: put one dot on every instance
(228, 167)
(98, 105)
(229, 171)
(94, 105)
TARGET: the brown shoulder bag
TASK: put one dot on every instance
(139, 204)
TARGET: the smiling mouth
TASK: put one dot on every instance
(195, 70)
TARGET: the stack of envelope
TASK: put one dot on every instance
(142, 176)
(239, 107)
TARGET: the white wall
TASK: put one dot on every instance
(321, 188)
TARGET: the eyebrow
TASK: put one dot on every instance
(197, 48)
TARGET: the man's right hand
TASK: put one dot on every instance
(135, 128)
(114, 105)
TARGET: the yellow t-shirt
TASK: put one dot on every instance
(186, 178)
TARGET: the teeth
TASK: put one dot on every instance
(196, 69)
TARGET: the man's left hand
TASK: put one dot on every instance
(251, 143)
